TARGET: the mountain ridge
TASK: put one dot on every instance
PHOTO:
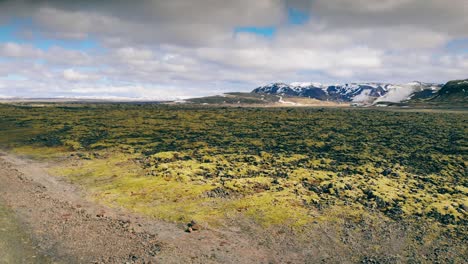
(366, 92)
(456, 90)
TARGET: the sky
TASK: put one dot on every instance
(187, 48)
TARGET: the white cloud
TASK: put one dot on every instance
(72, 75)
(15, 50)
(364, 6)
(167, 48)
(130, 54)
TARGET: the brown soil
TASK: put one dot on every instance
(65, 227)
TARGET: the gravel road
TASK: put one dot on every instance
(45, 219)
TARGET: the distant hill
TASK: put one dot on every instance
(259, 99)
(453, 91)
(236, 98)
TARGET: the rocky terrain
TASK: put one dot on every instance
(54, 223)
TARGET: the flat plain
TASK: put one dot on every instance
(333, 183)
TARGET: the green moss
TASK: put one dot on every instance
(179, 163)
(40, 153)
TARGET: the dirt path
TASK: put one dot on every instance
(15, 244)
(64, 227)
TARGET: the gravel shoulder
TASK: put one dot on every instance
(62, 226)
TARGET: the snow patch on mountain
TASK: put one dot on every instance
(367, 93)
(306, 84)
(403, 92)
(397, 93)
(364, 96)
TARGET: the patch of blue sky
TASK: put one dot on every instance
(297, 17)
(14, 77)
(5, 59)
(11, 32)
(261, 31)
(7, 32)
(84, 45)
(457, 45)
(40, 61)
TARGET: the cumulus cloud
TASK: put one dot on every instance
(72, 75)
(191, 48)
(442, 16)
(14, 50)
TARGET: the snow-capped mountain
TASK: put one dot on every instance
(354, 92)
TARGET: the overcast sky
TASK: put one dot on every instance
(183, 48)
